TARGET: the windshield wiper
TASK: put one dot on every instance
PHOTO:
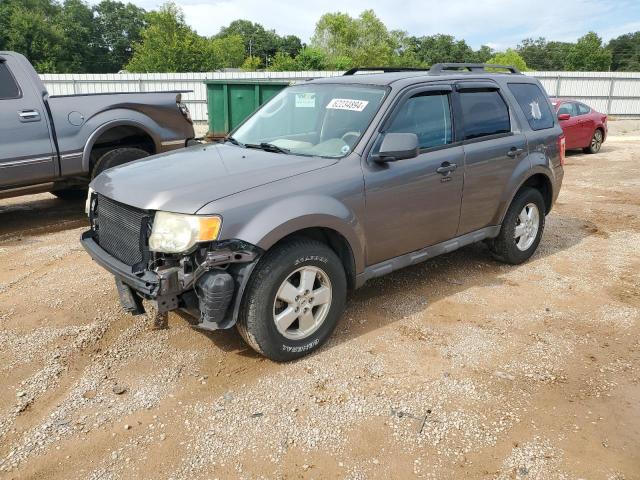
(268, 147)
(234, 141)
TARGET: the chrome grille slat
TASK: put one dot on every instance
(119, 229)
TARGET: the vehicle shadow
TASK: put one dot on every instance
(387, 299)
(38, 214)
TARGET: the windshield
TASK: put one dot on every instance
(314, 119)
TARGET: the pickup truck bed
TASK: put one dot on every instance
(56, 143)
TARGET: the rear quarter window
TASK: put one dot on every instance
(8, 86)
(533, 103)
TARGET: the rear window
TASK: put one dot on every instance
(484, 114)
(533, 103)
(583, 109)
(8, 86)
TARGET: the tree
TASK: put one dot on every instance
(542, 55)
(168, 44)
(312, 59)
(509, 57)
(29, 27)
(363, 41)
(224, 52)
(625, 52)
(588, 54)
(75, 23)
(118, 27)
(251, 64)
(441, 48)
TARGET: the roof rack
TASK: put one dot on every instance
(437, 68)
(355, 70)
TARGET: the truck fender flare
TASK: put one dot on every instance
(86, 152)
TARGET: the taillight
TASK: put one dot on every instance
(562, 143)
(604, 119)
(184, 110)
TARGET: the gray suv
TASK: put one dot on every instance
(331, 183)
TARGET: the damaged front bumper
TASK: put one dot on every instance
(209, 288)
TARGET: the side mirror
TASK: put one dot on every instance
(397, 146)
(563, 116)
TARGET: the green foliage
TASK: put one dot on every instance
(118, 27)
(72, 36)
(168, 44)
(625, 52)
(509, 57)
(588, 54)
(251, 64)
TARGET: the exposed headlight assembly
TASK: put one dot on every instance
(87, 203)
(177, 233)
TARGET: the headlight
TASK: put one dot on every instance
(87, 204)
(176, 233)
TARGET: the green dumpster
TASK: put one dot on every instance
(229, 102)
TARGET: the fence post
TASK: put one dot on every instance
(73, 86)
(558, 86)
(610, 99)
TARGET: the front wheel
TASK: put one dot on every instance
(293, 301)
(596, 142)
(522, 228)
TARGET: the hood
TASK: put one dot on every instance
(183, 181)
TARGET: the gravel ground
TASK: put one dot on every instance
(457, 368)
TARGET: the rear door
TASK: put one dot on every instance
(415, 203)
(26, 150)
(586, 123)
(493, 145)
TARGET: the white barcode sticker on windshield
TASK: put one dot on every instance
(347, 104)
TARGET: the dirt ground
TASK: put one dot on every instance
(457, 368)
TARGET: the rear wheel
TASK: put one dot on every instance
(596, 142)
(521, 229)
(293, 301)
(116, 157)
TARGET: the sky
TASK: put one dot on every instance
(497, 23)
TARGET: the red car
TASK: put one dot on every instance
(583, 127)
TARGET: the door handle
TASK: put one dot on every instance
(446, 168)
(29, 115)
(514, 152)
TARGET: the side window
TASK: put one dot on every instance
(427, 115)
(8, 86)
(569, 108)
(582, 109)
(533, 103)
(484, 113)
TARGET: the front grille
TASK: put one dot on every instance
(119, 229)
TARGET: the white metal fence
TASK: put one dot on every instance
(615, 93)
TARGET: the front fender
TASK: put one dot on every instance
(289, 215)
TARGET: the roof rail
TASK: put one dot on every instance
(437, 68)
(355, 70)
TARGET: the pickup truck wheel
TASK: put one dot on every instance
(116, 157)
(596, 142)
(293, 300)
(521, 229)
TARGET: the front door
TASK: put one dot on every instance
(571, 126)
(26, 150)
(409, 204)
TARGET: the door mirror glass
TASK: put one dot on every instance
(563, 116)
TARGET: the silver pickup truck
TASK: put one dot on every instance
(58, 143)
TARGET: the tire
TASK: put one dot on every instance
(596, 142)
(71, 194)
(263, 300)
(116, 157)
(508, 248)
